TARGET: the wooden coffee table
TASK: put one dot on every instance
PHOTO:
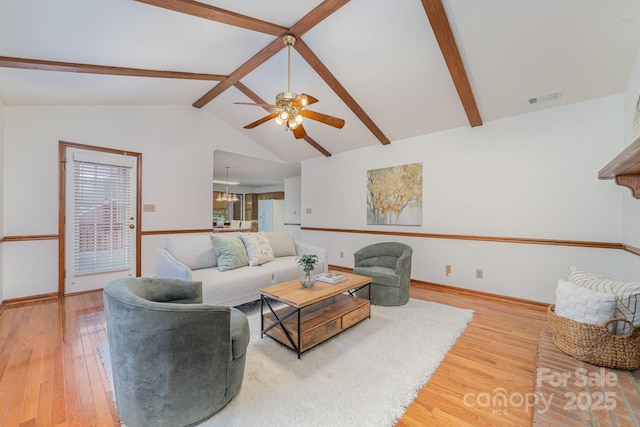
(312, 315)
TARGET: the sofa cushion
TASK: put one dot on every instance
(281, 243)
(584, 305)
(282, 269)
(230, 251)
(286, 268)
(193, 250)
(258, 248)
(226, 287)
(628, 294)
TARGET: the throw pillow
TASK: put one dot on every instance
(628, 294)
(584, 305)
(193, 250)
(230, 251)
(282, 243)
(258, 248)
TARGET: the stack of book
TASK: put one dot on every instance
(330, 277)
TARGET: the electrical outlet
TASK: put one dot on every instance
(148, 208)
(308, 211)
(447, 269)
(479, 273)
(341, 254)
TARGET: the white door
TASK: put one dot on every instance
(100, 207)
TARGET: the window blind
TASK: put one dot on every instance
(102, 240)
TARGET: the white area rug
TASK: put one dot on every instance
(365, 376)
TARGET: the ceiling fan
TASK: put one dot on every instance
(291, 107)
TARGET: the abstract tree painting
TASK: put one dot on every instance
(394, 195)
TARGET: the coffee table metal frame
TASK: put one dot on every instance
(264, 299)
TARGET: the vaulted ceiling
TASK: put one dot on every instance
(393, 69)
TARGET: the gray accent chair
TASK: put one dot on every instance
(389, 265)
(175, 361)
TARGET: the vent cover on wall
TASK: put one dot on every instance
(545, 98)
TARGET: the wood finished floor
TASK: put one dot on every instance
(51, 373)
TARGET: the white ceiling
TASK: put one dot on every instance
(383, 52)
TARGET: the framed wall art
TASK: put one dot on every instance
(394, 195)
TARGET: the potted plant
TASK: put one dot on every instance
(307, 261)
(219, 216)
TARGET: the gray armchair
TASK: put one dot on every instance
(175, 361)
(389, 265)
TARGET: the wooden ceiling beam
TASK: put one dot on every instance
(315, 63)
(442, 30)
(202, 10)
(233, 78)
(258, 100)
(317, 15)
(311, 19)
(317, 146)
(71, 67)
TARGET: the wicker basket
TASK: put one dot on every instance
(594, 343)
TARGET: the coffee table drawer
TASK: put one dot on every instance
(355, 316)
(321, 333)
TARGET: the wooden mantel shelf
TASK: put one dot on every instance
(625, 168)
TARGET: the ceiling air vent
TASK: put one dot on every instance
(544, 98)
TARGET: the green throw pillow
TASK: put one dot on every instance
(230, 251)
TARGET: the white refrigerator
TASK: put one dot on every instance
(270, 215)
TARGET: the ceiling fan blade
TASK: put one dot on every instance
(256, 105)
(312, 100)
(261, 121)
(297, 101)
(324, 118)
(299, 132)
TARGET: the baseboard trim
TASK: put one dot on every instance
(454, 290)
(521, 302)
(30, 299)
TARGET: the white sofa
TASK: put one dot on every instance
(192, 257)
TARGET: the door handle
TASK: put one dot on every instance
(132, 226)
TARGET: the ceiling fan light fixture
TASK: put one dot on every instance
(289, 109)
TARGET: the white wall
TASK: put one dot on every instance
(631, 206)
(530, 176)
(292, 206)
(177, 145)
(1, 198)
